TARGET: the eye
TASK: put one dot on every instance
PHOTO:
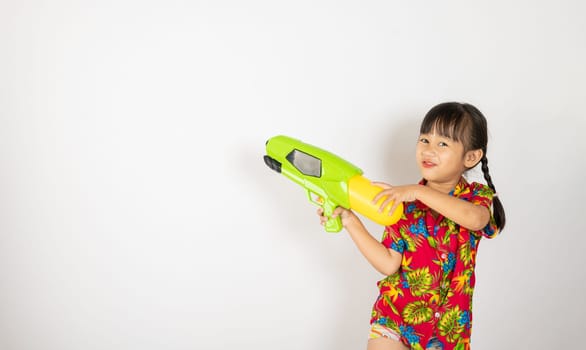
(423, 140)
(442, 144)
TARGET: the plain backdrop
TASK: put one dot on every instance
(136, 211)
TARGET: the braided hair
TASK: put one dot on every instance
(464, 123)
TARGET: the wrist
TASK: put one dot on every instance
(350, 220)
(418, 190)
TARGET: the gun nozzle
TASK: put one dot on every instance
(273, 164)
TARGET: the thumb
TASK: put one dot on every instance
(337, 212)
(384, 185)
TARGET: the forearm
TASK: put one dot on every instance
(473, 217)
(384, 260)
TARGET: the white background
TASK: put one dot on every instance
(136, 211)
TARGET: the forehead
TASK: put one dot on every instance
(446, 125)
(436, 135)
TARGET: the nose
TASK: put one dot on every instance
(428, 151)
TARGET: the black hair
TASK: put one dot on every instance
(462, 122)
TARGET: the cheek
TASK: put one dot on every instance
(457, 160)
(450, 158)
(418, 156)
(419, 149)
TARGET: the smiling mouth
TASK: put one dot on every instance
(427, 164)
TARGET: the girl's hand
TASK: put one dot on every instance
(345, 215)
(396, 194)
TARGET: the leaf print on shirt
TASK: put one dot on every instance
(412, 242)
(465, 251)
(450, 326)
(419, 281)
(432, 242)
(443, 238)
(417, 312)
(460, 281)
(389, 323)
(483, 192)
(392, 294)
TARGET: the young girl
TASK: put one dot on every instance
(429, 255)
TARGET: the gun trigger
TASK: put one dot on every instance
(318, 200)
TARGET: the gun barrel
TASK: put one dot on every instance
(273, 163)
(337, 181)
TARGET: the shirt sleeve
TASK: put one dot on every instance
(393, 240)
(482, 195)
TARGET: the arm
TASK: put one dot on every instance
(473, 217)
(384, 260)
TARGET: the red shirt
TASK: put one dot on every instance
(431, 293)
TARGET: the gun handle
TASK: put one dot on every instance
(332, 224)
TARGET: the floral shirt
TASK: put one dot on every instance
(430, 296)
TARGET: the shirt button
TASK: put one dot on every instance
(437, 315)
(444, 256)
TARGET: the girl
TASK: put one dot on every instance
(429, 255)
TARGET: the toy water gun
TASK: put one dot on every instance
(329, 179)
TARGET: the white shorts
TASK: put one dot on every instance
(379, 331)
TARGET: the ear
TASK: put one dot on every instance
(471, 158)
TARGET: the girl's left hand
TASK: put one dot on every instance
(395, 194)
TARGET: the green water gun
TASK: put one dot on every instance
(329, 181)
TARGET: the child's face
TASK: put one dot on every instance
(440, 159)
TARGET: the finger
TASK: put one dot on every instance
(385, 203)
(393, 208)
(336, 212)
(380, 195)
(383, 185)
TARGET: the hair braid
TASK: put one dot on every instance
(487, 177)
(498, 209)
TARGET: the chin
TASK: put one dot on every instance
(427, 175)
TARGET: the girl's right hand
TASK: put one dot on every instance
(345, 215)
